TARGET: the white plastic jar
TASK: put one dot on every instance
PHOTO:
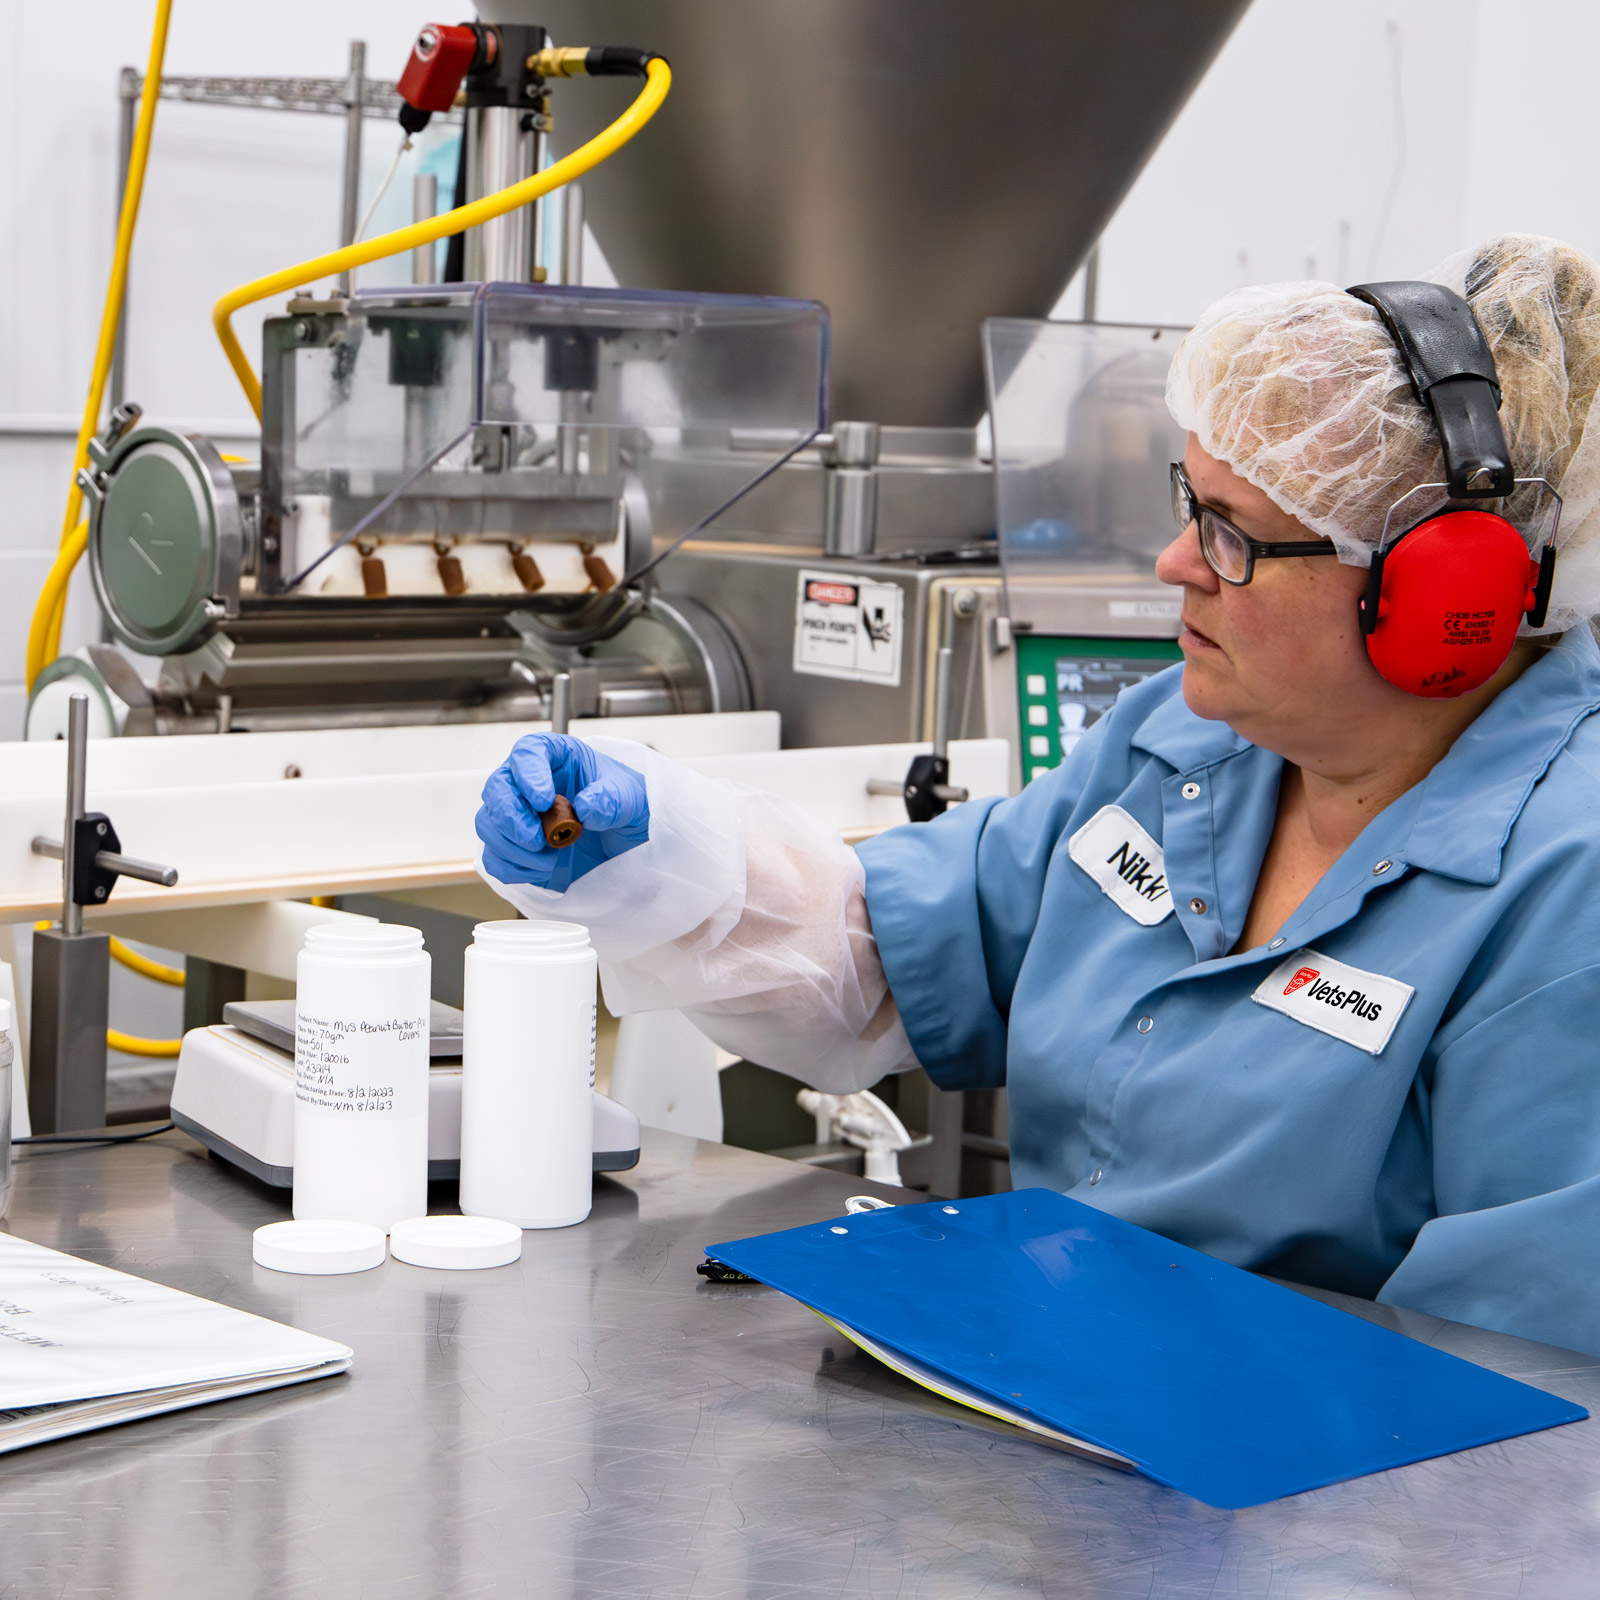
(6, 1091)
(361, 1074)
(527, 1074)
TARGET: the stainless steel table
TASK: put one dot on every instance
(600, 1421)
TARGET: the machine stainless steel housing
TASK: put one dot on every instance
(913, 164)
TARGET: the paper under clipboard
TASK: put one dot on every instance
(949, 1388)
(1200, 1375)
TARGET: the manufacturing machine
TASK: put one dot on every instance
(465, 488)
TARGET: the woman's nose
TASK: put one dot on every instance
(1182, 563)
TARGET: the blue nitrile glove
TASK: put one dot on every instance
(608, 796)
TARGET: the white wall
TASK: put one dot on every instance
(1316, 113)
(1340, 138)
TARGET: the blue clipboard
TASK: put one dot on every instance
(1209, 1379)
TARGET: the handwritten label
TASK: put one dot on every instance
(363, 1067)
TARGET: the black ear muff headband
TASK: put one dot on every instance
(1451, 368)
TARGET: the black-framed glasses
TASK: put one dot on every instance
(1230, 552)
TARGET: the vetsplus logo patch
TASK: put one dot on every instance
(1353, 1000)
(1361, 1008)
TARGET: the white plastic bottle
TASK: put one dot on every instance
(361, 1075)
(527, 1080)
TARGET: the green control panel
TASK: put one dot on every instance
(1064, 686)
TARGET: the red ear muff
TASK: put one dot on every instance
(1444, 603)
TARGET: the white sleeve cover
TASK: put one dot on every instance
(748, 915)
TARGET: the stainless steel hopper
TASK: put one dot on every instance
(915, 164)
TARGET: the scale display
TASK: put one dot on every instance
(1064, 687)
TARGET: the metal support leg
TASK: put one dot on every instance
(72, 967)
(357, 93)
(207, 987)
(424, 207)
(67, 1069)
(946, 1113)
(129, 90)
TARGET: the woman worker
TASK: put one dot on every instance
(1288, 962)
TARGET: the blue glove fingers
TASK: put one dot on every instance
(607, 803)
(532, 771)
(573, 765)
(506, 871)
(506, 819)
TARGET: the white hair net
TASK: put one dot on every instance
(1299, 388)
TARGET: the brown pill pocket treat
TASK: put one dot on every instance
(373, 577)
(451, 575)
(560, 824)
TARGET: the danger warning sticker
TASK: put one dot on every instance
(848, 627)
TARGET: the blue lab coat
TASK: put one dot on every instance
(1456, 1169)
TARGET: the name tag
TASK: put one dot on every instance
(1362, 1008)
(1126, 862)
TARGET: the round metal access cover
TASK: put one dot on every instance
(164, 536)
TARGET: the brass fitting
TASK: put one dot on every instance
(567, 62)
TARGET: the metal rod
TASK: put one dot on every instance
(560, 702)
(424, 205)
(886, 786)
(77, 764)
(133, 867)
(982, 1144)
(112, 861)
(129, 89)
(1091, 284)
(355, 95)
(541, 145)
(568, 435)
(941, 701)
(572, 234)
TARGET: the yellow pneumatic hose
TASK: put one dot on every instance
(658, 80)
(44, 634)
(135, 1046)
(157, 971)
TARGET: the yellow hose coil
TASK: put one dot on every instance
(157, 971)
(44, 635)
(658, 80)
(135, 1046)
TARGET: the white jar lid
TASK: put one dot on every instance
(530, 937)
(456, 1243)
(363, 937)
(319, 1248)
